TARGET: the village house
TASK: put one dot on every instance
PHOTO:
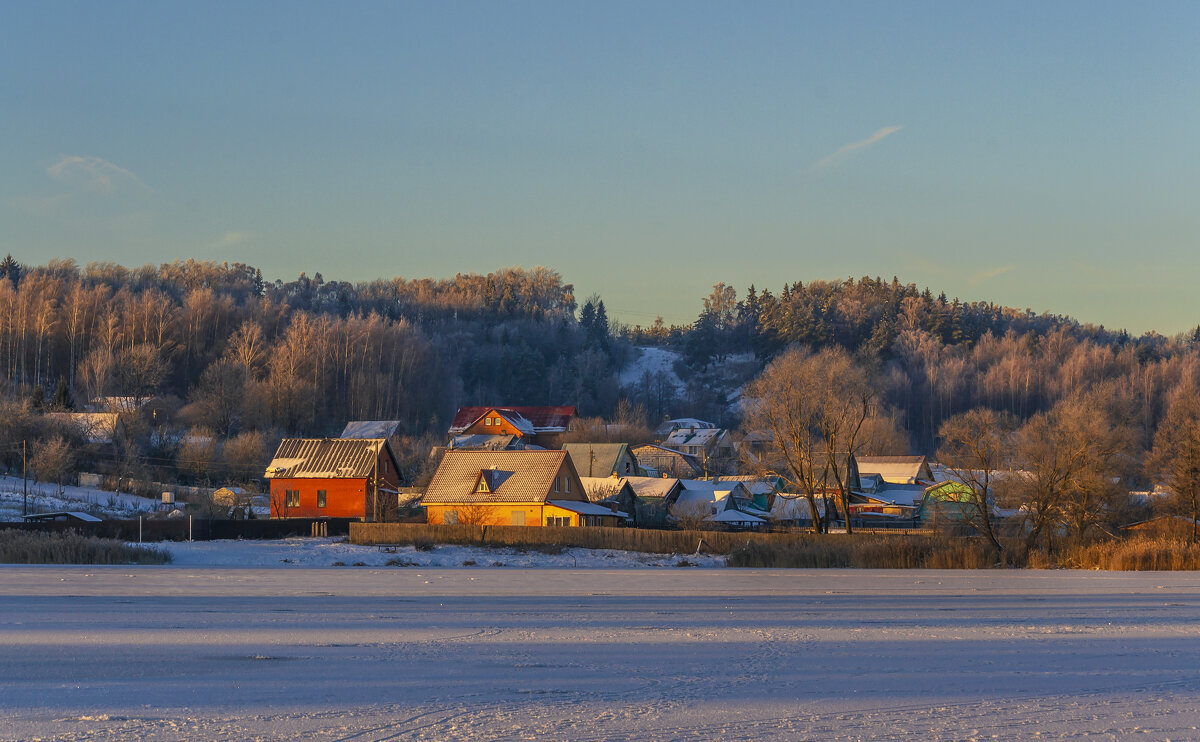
(701, 443)
(612, 492)
(333, 478)
(603, 459)
(519, 488)
(897, 469)
(653, 494)
(668, 462)
(95, 428)
(533, 426)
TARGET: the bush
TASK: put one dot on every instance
(69, 547)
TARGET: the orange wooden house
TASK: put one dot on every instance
(539, 426)
(334, 478)
(519, 488)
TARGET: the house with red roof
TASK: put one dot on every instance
(532, 426)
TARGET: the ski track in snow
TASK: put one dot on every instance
(372, 654)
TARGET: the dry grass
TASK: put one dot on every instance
(69, 547)
(1134, 554)
(868, 552)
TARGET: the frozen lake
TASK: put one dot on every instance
(664, 654)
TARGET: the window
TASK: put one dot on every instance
(626, 467)
(566, 484)
(291, 498)
(450, 517)
(558, 522)
(487, 421)
(556, 484)
(517, 517)
(482, 485)
(320, 498)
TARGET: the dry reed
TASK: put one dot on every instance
(69, 547)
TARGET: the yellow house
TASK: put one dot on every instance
(517, 488)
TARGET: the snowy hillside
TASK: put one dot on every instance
(652, 360)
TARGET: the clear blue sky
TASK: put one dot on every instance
(1041, 155)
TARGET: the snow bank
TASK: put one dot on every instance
(316, 552)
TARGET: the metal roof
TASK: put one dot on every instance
(518, 476)
(607, 457)
(371, 429)
(326, 458)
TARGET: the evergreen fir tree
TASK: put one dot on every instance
(62, 396)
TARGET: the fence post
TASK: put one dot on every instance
(139, 529)
(189, 528)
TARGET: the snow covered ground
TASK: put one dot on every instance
(329, 552)
(44, 498)
(414, 653)
(651, 360)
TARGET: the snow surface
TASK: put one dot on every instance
(326, 552)
(652, 360)
(44, 498)
(413, 653)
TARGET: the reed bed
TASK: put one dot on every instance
(1134, 554)
(868, 552)
(69, 547)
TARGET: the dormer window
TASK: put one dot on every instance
(481, 485)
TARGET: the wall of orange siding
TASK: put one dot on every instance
(344, 498)
(500, 514)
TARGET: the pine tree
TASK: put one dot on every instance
(11, 270)
(62, 396)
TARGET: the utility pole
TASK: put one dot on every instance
(24, 484)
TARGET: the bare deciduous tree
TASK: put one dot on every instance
(976, 445)
(1175, 458)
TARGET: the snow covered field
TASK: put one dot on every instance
(330, 552)
(413, 653)
(44, 498)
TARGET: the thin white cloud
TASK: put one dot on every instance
(92, 173)
(977, 278)
(229, 239)
(850, 149)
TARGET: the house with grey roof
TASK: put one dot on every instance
(603, 459)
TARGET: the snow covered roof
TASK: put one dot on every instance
(95, 427)
(326, 458)
(585, 508)
(693, 437)
(371, 429)
(681, 422)
(653, 487)
(735, 516)
(490, 442)
(64, 515)
(754, 484)
(794, 507)
(896, 469)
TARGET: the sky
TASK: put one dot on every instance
(1041, 155)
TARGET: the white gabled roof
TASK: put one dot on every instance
(584, 508)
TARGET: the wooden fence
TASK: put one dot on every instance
(624, 539)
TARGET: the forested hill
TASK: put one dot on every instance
(234, 352)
